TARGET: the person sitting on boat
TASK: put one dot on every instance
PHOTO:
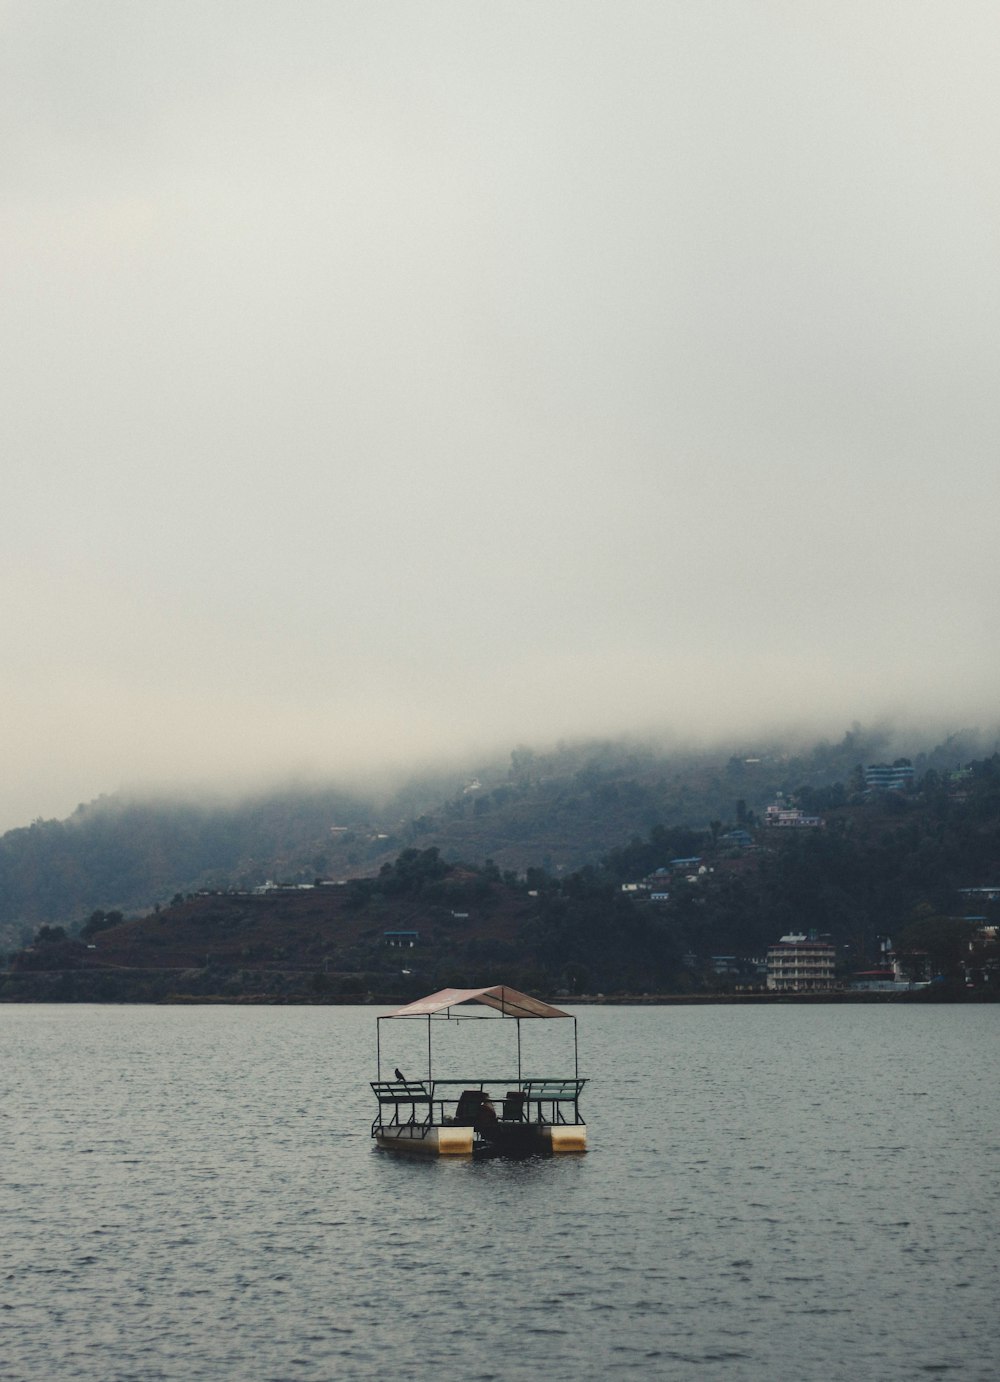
(486, 1118)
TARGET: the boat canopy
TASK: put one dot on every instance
(508, 1002)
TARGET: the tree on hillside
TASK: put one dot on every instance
(945, 940)
(100, 921)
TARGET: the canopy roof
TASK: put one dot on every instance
(508, 1002)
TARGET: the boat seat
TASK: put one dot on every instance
(469, 1103)
(558, 1090)
(513, 1106)
(554, 1093)
(400, 1091)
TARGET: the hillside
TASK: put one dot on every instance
(558, 810)
(316, 940)
(679, 910)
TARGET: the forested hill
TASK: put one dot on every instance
(678, 910)
(558, 811)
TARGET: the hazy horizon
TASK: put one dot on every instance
(399, 383)
(385, 784)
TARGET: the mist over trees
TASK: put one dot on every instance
(678, 907)
(557, 810)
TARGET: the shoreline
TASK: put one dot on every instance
(64, 987)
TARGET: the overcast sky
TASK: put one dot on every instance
(392, 379)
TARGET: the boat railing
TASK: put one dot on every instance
(552, 1098)
(398, 1096)
(423, 1104)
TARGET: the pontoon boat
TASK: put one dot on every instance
(460, 1117)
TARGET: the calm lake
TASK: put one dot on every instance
(771, 1193)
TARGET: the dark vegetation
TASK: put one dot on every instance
(556, 811)
(884, 864)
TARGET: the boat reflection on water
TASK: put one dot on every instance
(479, 1116)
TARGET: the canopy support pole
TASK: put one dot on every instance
(518, 1051)
(428, 1046)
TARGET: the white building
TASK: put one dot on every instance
(889, 777)
(798, 964)
(790, 817)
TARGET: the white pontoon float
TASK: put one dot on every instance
(460, 1117)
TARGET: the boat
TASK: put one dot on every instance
(476, 1116)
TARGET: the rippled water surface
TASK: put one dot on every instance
(782, 1193)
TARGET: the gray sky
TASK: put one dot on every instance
(389, 379)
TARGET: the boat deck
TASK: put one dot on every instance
(462, 1116)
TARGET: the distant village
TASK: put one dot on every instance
(720, 921)
(806, 962)
(797, 962)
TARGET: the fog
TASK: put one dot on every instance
(390, 382)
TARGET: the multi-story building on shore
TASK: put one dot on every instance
(801, 964)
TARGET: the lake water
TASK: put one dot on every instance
(771, 1193)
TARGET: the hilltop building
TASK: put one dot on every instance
(740, 839)
(789, 817)
(889, 777)
(404, 939)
